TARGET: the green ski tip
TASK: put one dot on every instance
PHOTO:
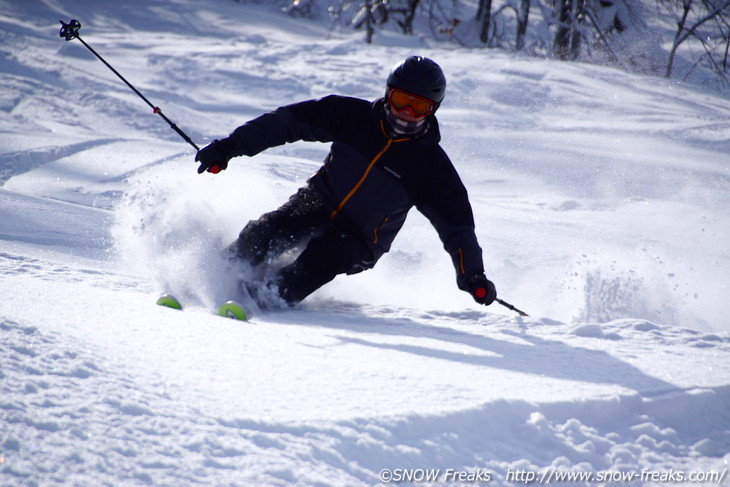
(233, 310)
(170, 301)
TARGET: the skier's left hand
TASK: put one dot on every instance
(213, 157)
(482, 289)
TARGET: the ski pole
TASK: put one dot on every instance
(509, 306)
(70, 32)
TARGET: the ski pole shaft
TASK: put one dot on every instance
(509, 306)
(70, 31)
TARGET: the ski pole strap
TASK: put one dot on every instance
(509, 306)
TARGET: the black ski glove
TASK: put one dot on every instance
(214, 157)
(482, 289)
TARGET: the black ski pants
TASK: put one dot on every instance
(302, 220)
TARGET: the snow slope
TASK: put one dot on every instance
(601, 202)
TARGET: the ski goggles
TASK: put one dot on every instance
(417, 105)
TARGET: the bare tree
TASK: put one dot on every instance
(409, 15)
(599, 30)
(375, 13)
(691, 16)
(521, 14)
(566, 45)
(522, 18)
(484, 13)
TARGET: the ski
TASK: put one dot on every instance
(229, 309)
(169, 301)
(233, 310)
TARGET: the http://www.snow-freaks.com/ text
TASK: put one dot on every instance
(549, 476)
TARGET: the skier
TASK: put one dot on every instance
(384, 159)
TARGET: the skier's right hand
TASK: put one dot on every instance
(213, 157)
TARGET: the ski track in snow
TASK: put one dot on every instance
(70, 413)
(600, 198)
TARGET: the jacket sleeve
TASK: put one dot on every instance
(313, 120)
(446, 205)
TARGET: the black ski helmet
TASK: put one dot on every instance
(420, 76)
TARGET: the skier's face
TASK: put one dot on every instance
(407, 106)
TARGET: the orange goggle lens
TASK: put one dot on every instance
(402, 100)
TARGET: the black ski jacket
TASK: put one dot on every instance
(370, 180)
